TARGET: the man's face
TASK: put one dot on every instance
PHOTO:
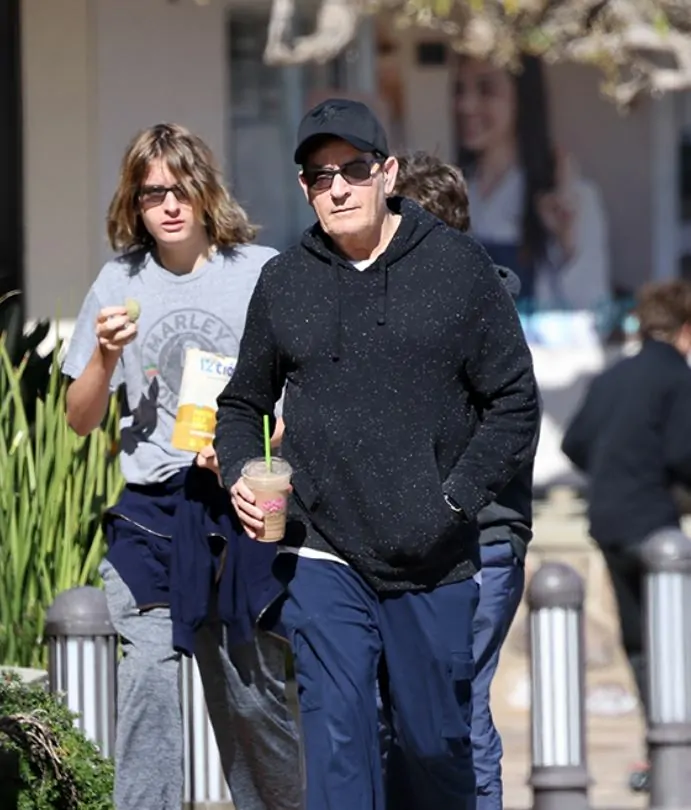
(166, 211)
(352, 202)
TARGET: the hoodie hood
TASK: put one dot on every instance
(415, 225)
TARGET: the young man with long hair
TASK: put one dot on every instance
(180, 576)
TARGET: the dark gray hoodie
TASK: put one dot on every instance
(510, 517)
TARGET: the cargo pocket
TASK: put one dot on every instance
(458, 696)
(307, 673)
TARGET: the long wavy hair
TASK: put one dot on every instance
(192, 164)
(535, 150)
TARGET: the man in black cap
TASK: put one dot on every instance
(385, 326)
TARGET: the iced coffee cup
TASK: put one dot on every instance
(270, 487)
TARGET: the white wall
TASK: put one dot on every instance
(95, 72)
(56, 54)
(156, 61)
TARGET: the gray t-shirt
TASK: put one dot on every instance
(205, 309)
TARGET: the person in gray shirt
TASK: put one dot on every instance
(183, 280)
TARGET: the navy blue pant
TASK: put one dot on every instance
(339, 630)
(503, 578)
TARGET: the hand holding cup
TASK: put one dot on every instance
(260, 498)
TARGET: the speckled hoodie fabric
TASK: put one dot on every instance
(380, 368)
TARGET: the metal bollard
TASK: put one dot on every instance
(667, 557)
(82, 661)
(559, 774)
(205, 784)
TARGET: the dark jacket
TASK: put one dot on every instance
(632, 437)
(510, 517)
(380, 368)
(170, 542)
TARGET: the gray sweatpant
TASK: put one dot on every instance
(244, 689)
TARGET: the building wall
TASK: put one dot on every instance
(94, 72)
(155, 61)
(616, 151)
(97, 71)
(56, 58)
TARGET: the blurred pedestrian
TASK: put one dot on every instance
(632, 438)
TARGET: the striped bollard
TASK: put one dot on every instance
(667, 557)
(82, 661)
(559, 775)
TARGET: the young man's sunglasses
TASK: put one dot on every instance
(150, 196)
(356, 172)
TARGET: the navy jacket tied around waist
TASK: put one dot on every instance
(172, 542)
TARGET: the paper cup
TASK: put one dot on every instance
(270, 488)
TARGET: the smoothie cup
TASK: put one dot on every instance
(270, 487)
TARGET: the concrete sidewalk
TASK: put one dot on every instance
(615, 732)
(614, 743)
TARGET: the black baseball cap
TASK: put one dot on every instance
(342, 118)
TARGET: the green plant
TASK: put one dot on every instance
(47, 763)
(55, 486)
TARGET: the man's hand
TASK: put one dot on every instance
(114, 330)
(208, 460)
(251, 516)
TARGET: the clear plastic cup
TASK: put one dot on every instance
(270, 488)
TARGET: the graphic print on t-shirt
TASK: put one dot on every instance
(165, 343)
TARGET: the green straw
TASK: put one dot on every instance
(267, 442)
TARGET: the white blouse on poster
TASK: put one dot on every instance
(579, 284)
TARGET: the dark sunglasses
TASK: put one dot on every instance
(155, 195)
(356, 172)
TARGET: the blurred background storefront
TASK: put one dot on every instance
(79, 77)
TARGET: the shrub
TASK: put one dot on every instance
(46, 763)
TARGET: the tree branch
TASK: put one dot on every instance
(642, 46)
(336, 27)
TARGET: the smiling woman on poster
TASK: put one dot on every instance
(529, 206)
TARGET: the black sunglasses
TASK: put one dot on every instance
(355, 172)
(155, 195)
